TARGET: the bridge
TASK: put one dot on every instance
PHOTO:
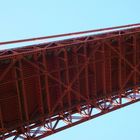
(53, 85)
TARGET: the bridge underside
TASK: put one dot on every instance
(49, 87)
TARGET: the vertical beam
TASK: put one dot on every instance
(103, 69)
(39, 88)
(95, 77)
(109, 70)
(135, 58)
(21, 89)
(120, 69)
(67, 75)
(19, 65)
(86, 71)
(104, 73)
(18, 90)
(59, 77)
(46, 82)
(77, 70)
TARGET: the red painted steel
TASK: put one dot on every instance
(46, 88)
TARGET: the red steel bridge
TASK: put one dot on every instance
(51, 86)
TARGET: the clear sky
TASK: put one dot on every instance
(33, 18)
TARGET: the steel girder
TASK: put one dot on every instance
(49, 87)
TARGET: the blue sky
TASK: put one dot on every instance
(33, 18)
